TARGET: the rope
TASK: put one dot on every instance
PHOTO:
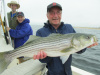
(2, 24)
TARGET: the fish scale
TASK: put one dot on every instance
(43, 44)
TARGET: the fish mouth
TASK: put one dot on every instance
(94, 40)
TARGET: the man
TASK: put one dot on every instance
(12, 16)
(22, 31)
(54, 25)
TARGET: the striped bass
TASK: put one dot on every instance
(54, 45)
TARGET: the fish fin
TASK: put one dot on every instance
(32, 38)
(23, 59)
(55, 34)
(3, 62)
(67, 50)
(64, 58)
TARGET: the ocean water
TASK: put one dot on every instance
(90, 59)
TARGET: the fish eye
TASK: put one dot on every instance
(87, 37)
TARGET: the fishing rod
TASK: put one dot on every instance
(4, 31)
(6, 19)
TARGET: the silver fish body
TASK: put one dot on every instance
(54, 45)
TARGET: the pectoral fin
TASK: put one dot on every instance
(64, 58)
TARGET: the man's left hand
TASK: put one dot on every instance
(8, 28)
(92, 45)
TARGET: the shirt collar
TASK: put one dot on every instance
(51, 27)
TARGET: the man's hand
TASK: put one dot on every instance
(92, 45)
(40, 55)
(8, 28)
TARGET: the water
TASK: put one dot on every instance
(90, 59)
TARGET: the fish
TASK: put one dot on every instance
(54, 45)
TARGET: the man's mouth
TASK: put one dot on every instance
(54, 19)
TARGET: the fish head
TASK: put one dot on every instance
(81, 41)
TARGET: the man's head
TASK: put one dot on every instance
(20, 17)
(13, 5)
(54, 12)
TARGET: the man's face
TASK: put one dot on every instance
(20, 19)
(54, 16)
(13, 7)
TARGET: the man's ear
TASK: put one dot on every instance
(47, 15)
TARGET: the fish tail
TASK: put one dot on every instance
(3, 62)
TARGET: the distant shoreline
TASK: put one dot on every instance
(88, 28)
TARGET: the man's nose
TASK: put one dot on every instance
(55, 14)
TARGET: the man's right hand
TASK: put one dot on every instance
(40, 55)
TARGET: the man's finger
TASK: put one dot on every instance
(92, 45)
(44, 55)
(41, 54)
(34, 57)
(96, 43)
(38, 55)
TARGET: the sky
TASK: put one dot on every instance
(78, 13)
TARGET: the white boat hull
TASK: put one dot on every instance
(3, 46)
(34, 67)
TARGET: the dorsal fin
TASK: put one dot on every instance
(31, 38)
(55, 34)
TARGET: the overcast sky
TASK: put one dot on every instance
(76, 12)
